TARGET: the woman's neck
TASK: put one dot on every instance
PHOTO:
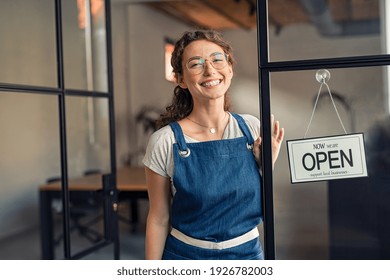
(203, 126)
(209, 118)
(210, 113)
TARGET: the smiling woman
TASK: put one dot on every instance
(201, 165)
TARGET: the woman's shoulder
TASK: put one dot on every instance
(250, 119)
(253, 123)
(163, 131)
(163, 135)
(157, 156)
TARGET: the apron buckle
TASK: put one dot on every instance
(185, 153)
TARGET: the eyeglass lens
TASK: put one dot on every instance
(196, 64)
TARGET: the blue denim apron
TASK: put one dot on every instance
(217, 196)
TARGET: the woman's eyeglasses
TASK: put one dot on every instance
(196, 65)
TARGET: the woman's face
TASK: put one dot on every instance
(210, 81)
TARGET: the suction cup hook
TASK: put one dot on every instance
(323, 76)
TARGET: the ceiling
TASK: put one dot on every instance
(214, 14)
(241, 14)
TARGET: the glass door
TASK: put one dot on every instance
(58, 145)
(89, 130)
(333, 218)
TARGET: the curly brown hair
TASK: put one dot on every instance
(182, 102)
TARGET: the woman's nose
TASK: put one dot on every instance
(208, 68)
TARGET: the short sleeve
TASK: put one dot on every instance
(159, 151)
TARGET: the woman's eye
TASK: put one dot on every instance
(218, 58)
(195, 64)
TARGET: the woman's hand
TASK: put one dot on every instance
(276, 142)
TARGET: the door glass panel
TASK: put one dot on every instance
(335, 219)
(88, 159)
(27, 48)
(87, 135)
(84, 36)
(30, 155)
(307, 29)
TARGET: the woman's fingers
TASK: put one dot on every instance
(257, 150)
(277, 138)
(278, 133)
(276, 141)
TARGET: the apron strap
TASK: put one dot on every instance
(182, 145)
(244, 128)
(178, 132)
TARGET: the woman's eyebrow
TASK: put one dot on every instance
(194, 57)
(198, 56)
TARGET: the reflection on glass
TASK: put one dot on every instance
(312, 29)
(84, 35)
(30, 155)
(27, 48)
(336, 219)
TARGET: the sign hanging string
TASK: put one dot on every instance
(322, 76)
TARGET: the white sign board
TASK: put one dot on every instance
(327, 158)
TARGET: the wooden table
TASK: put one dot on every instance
(131, 185)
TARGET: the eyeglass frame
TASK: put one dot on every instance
(225, 55)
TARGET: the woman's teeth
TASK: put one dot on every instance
(211, 83)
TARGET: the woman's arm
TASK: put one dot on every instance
(157, 224)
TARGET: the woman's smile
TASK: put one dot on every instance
(211, 83)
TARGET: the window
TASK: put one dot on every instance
(169, 46)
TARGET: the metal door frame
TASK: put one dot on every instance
(265, 67)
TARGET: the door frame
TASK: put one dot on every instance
(265, 68)
(108, 180)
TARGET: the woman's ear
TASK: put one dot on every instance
(180, 81)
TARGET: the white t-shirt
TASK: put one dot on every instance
(159, 152)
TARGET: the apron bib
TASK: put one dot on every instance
(217, 204)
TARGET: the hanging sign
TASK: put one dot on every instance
(327, 158)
